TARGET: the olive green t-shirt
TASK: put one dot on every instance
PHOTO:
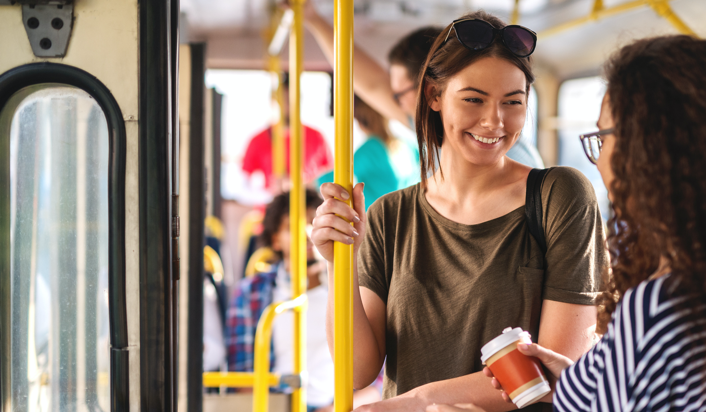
(450, 288)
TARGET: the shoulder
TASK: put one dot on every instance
(566, 190)
(255, 283)
(310, 132)
(390, 204)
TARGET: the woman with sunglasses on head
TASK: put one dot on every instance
(650, 151)
(444, 266)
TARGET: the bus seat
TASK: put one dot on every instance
(260, 261)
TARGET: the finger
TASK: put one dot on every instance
(336, 207)
(496, 384)
(326, 234)
(331, 190)
(359, 198)
(487, 372)
(506, 397)
(335, 222)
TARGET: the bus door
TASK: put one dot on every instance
(89, 230)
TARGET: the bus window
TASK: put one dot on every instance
(59, 154)
(579, 107)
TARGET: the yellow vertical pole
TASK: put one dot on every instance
(515, 13)
(343, 175)
(278, 151)
(297, 207)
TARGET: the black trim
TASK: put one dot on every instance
(13, 81)
(176, 264)
(155, 140)
(217, 117)
(197, 214)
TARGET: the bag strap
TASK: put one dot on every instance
(533, 206)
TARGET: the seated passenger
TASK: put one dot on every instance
(395, 94)
(384, 163)
(258, 154)
(254, 294)
(444, 266)
(650, 151)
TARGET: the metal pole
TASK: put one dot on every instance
(297, 207)
(343, 175)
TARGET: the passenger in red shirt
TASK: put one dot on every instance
(258, 155)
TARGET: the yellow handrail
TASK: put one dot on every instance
(343, 175)
(236, 379)
(263, 338)
(297, 206)
(598, 12)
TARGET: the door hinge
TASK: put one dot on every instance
(48, 24)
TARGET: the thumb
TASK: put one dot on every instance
(553, 361)
(359, 200)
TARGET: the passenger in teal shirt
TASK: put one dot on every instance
(384, 163)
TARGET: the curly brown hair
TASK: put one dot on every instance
(656, 93)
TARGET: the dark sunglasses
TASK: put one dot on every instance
(593, 143)
(478, 34)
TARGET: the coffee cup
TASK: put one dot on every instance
(521, 376)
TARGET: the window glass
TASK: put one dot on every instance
(59, 251)
(579, 107)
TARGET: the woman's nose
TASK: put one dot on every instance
(491, 117)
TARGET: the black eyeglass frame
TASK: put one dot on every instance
(587, 138)
(496, 31)
(401, 93)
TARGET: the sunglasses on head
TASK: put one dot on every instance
(478, 34)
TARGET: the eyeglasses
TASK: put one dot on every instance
(593, 142)
(397, 96)
(478, 34)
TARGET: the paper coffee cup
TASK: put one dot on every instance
(520, 376)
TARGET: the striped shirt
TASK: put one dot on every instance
(651, 358)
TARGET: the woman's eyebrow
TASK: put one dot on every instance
(473, 89)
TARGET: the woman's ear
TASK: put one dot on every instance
(433, 96)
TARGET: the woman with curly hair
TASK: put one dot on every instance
(650, 152)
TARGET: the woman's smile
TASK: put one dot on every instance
(485, 141)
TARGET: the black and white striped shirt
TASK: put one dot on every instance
(651, 358)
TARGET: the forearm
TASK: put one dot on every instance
(474, 388)
(370, 80)
(366, 349)
(365, 396)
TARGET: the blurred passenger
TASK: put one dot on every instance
(254, 294)
(395, 94)
(650, 151)
(444, 266)
(258, 155)
(384, 163)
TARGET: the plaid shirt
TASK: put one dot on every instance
(244, 311)
(253, 295)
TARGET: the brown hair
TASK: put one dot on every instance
(656, 93)
(444, 61)
(370, 119)
(277, 210)
(411, 52)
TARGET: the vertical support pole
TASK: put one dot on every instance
(343, 175)
(515, 13)
(297, 207)
(278, 153)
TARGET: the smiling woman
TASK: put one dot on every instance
(444, 266)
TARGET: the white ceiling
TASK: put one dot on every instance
(233, 28)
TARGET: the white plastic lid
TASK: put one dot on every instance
(508, 336)
(532, 394)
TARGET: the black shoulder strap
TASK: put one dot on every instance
(533, 206)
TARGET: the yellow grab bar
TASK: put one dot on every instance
(263, 338)
(236, 379)
(343, 175)
(297, 206)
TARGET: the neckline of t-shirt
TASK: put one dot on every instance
(488, 224)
